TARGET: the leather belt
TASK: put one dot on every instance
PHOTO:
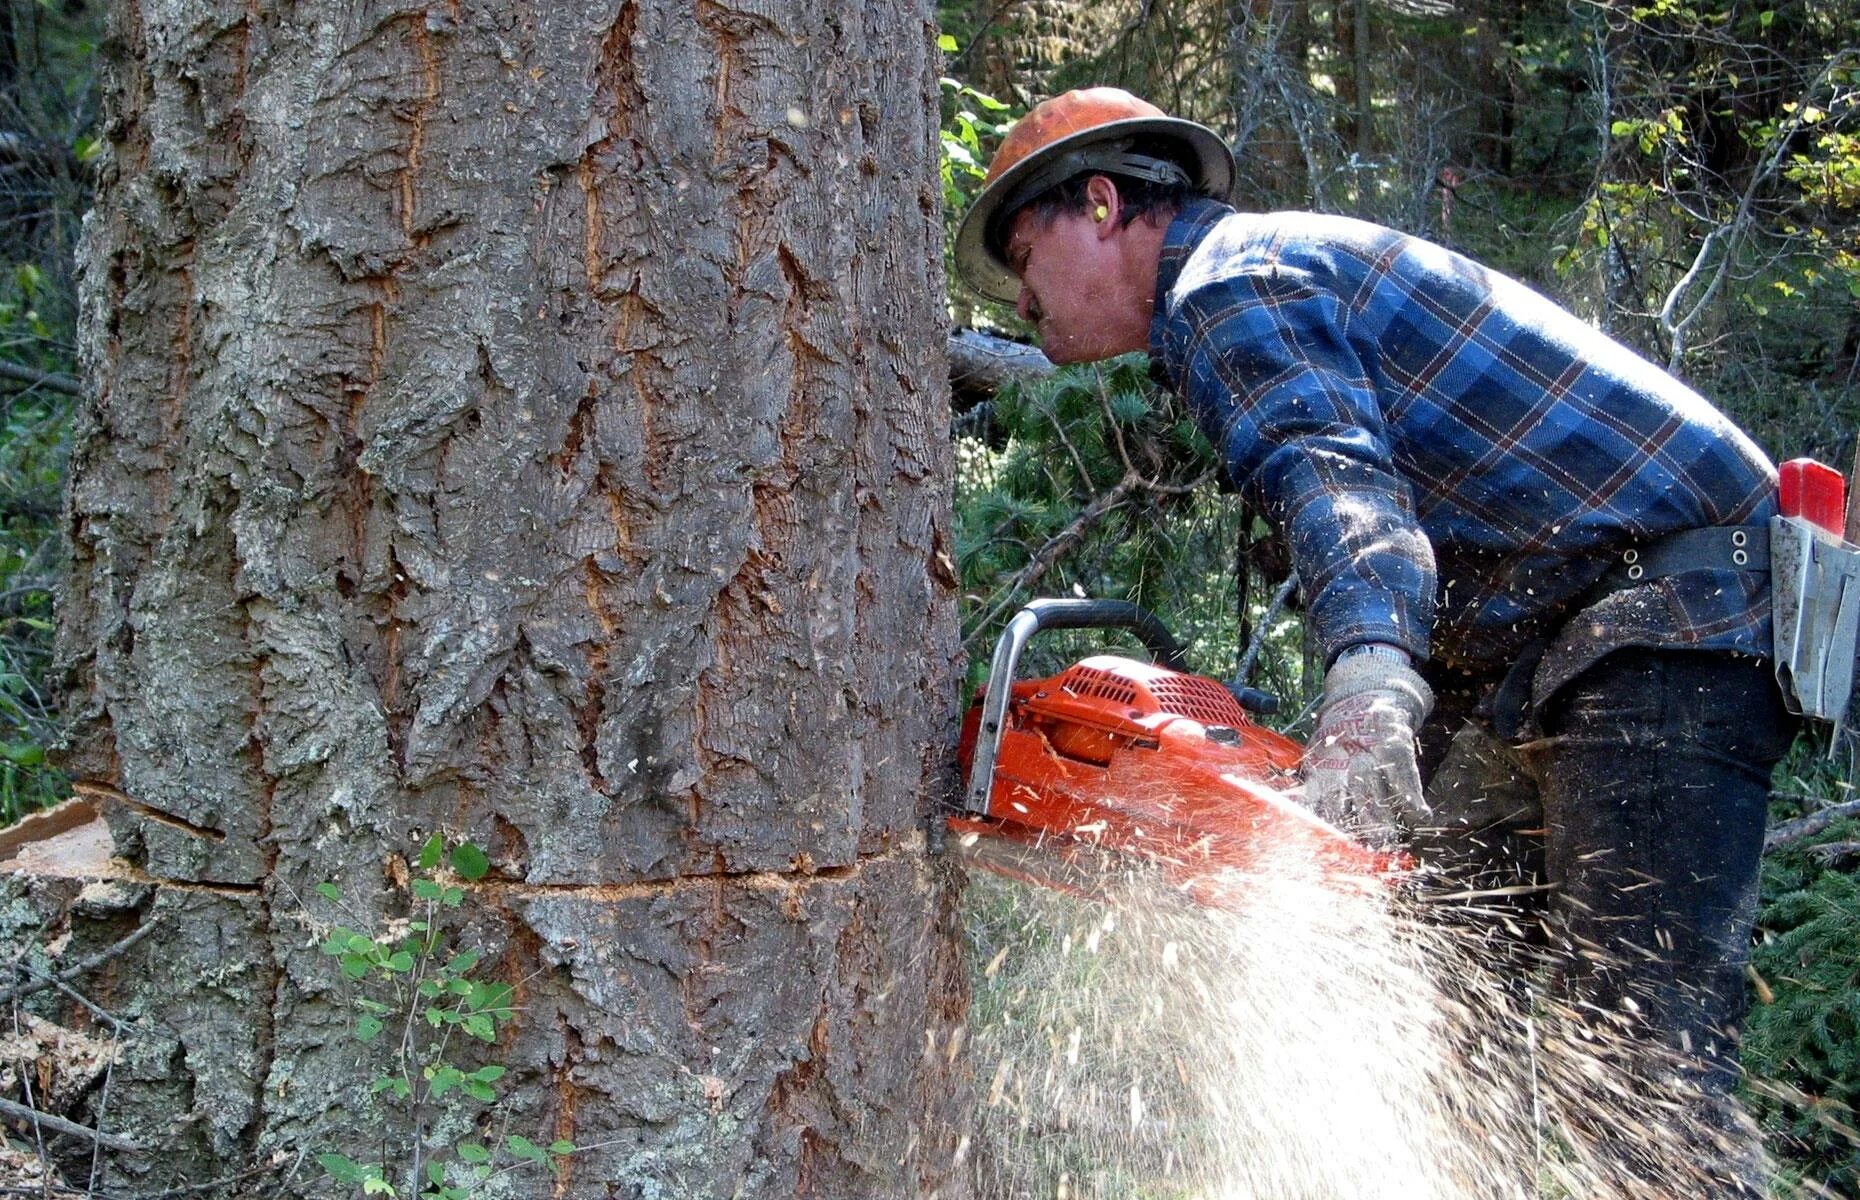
(1717, 548)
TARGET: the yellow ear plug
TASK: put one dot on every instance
(1101, 213)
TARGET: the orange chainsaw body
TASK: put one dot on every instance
(1143, 762)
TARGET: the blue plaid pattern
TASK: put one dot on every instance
(1453, 460)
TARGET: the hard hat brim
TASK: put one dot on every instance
(981, 265)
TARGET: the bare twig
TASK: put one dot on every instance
(20, 991)
(1677, 329)
(23, 1112)
(1043, 559)
(49, 380)
(1257, 643)
(193, 1189)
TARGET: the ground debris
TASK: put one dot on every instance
(60, 1065)
(21, 1168)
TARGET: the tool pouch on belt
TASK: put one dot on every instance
(1815, 598)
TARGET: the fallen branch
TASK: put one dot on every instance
(1804, 827)
(1836, 854)
(110, 1141)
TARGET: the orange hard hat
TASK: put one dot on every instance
(1101, 130)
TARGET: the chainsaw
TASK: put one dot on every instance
(1116, 763)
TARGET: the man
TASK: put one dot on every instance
(1499, 518)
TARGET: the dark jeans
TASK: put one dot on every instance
(1623, 847)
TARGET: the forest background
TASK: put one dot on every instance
(1686, 175)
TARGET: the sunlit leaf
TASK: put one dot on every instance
(469, 861)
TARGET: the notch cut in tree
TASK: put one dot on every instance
(527, 424)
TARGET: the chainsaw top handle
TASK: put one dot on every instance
(1053, 614)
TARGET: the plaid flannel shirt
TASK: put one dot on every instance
(1453, 460)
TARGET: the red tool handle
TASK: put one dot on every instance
(1813, 491)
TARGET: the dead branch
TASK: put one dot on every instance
(981, 364)
(1789, 832)
(51, 381)
(1678, 328)
(1043, 559)
(21, 991)
(1835, 854)
(1257, 643)
(22, 1112)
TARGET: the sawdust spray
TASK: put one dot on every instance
(1315, 1042)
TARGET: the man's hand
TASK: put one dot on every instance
(1360, 771)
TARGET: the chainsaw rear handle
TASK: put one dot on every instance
(1052, 614)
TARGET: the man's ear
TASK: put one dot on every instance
(1103, 204)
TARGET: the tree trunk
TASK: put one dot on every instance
(524, 423)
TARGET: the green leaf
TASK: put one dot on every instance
(329, 891)
(481, 1092)
(473, 1153)
(445, 1079)
(361, 945)
(561, 1146)
(400, 961)
(367, 1029)
(355, 966)
(429, 988)
(436, 1173)
(426, 889)
(469, 861)
(463, 961)
(452, 897)
(26, 754)
(431, 852)
(1766, 18)
(374, 1185)
(525, 1149)
(340, 1168)
(490, 997)
(490, 1074)
(479, 1026)
(946, 44)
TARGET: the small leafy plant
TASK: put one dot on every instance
(414, 985)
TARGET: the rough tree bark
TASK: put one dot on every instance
(526, 422)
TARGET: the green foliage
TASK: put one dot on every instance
(1093, 482)
(1077, 487)
(415, 985)
(34, 432)
(48, 108)
(973, 123)
(1802, 1037)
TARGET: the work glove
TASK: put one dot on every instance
(1359, 769)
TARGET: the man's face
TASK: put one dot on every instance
(1067, 269)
